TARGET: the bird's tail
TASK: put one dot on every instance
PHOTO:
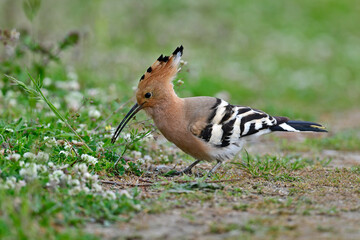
(298, 126)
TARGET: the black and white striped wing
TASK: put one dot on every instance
(229, 124)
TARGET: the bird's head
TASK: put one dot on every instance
(154, 86)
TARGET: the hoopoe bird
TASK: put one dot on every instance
(207, 128)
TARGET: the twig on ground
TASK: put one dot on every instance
(150, 183)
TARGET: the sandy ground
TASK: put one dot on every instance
(324, 205)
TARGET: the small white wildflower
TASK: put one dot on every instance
(10, 183)
(50, 142)
(180, 82)
(12, 102)
(21, 183)
(29, 172)
(96, 187)
(125, 192)
(42, 168)
(140, 161)
(9, 130)
(13, 157)
(47, 82)
(75, 190)
(94, 113)
(29, 155)
(67, 145)
(89, 159)
(99, 147)
(63, 152)
(136, 154)
(51, 164)
(127, 137)
(73, 100)
(109, 195)
(56, 177)
(92, 92)
(82, 126)
(85, 189)
(94, 178)
(74, 182)
(72, 76)
(87, 175)
(42, 156)
(14, 35)
(81, 168)
(147, 158)
(21, 163)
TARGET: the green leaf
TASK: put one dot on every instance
(31, 8)
(70, 40)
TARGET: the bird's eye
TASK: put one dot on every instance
(148, 95)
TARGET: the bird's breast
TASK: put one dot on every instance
(175, 128)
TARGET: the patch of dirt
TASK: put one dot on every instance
(323, 204)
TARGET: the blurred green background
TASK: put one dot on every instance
(296, 58)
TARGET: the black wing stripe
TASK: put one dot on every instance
(249, 118)
(228, 113)
(206, 133)
(227, 129)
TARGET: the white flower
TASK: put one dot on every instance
(29, 172)
(96, 187)
(72, 76)
(51, 164)
(80, 168)
(67, 145)
(13, 157)
(14, 35)
(10, 183)
(74, 182)
(92, 92)
(47, 81)
(136, 154)
(125, 192)
(12, 102)
(29, 155)
(93, 113)
(87, 175)
(63, 152)
(9, 130)
(127, 137)
(42, 156)
(42, 168)
(73, 100)
(21, 163)
(50, 142)
(180, 82)
(147, 158)
(109, 195)
(21, 183)
(75, 190)
(56, 177)
(140, 161)
(89, 159)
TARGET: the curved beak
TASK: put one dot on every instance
(126, 119)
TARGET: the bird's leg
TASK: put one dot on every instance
(187, 170)
(218, 164)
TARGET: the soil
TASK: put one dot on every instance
(324, 204)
